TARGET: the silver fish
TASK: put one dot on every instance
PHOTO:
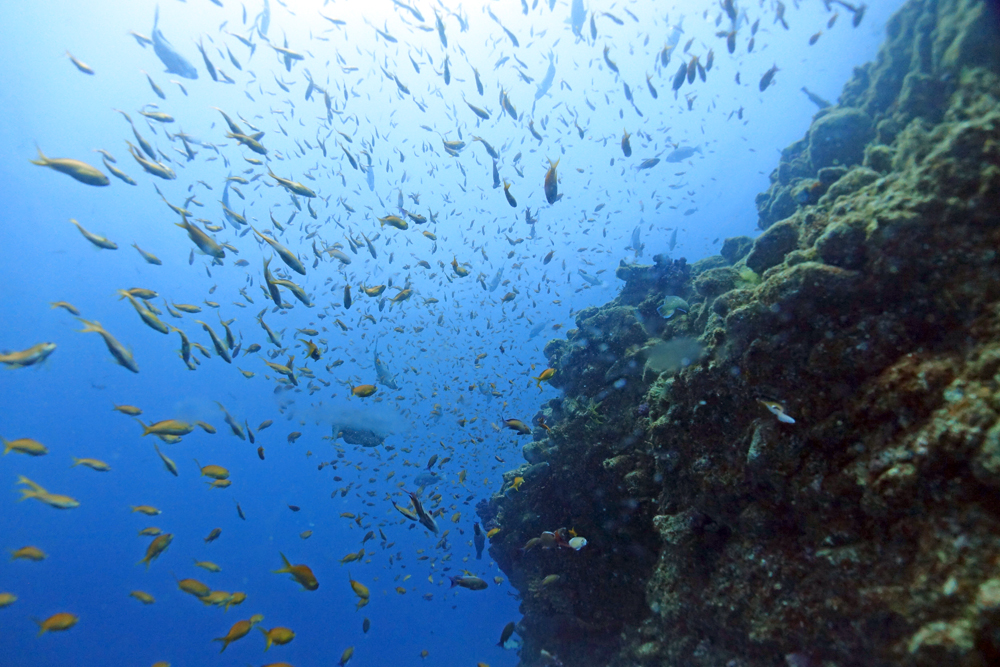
(165, 51)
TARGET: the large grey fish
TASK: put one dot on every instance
(370, 173)
(682, 153)
(577, 17)
(637, 245)
(226, 208)
(165, 51)
(426, 479)
(263, 20)
(385, 377)
(496, 279)
(359, 436)
(550, 75)
(676, 30)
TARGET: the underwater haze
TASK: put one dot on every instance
(344, 151)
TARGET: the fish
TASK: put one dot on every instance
(208, 63)
(37, 492)
(815, 99)
(98, 241)
(551, 185)
(778, 410)
(544, 376)
(80, 171)
(277, 636)
(93, 464)
(148, 256)
(205, 243)
(28, 553)
(479, 541)
(383, 376)
(24, 446)
(681, 153)
(421, 515)
(80, 65)
(470, 582)
(506, 634)
(481, 113)
(155, 548)
(141, 39)
(292, 186)
(239, 630)
(546, 82)
(168, 55)
(363, 390)
(142, 597)
(626, 146)
(765, 80)
(167, 462)
(611, 65)
(508, 195)
(57, 623)
(166, 427)
(122, 356)
(35, 354)
(577, 16)
(300, 573)
(517, 425)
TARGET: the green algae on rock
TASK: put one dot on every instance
(866, 533)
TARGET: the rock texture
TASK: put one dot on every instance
(868, 531)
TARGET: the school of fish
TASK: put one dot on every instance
(306, 210)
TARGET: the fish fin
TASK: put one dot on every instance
(42, 161)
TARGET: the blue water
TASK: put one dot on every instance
(67, 402)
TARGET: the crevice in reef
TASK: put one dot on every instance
(867, 531)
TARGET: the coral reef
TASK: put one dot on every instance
(866, 532)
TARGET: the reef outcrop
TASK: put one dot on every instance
(867, 532)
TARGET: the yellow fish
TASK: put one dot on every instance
(29, 357)
(81, 171)
(51, 499)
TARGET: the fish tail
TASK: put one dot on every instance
(90, 327)
(35, 488)
(42, 161)
(145, 429)
(6, 446)
(41, 626)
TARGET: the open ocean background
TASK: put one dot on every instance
(67, 403)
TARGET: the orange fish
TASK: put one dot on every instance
(363, 390)
(156, 547)
(57, 623)
(300, 573)
(551, 184)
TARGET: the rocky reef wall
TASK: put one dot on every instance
(867, 532)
